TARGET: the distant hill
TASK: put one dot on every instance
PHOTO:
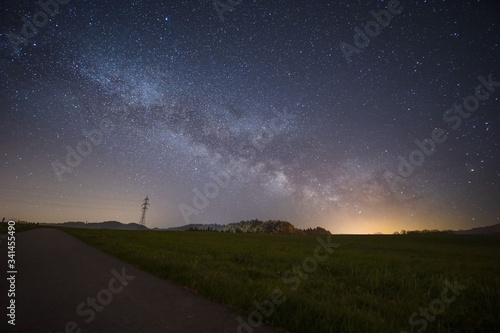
(492, 229)
(253, 226)
(115, 225)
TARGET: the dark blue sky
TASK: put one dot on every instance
(260, 115)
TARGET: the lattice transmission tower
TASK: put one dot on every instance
(145, 205)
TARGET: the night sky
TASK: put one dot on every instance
(285, 110)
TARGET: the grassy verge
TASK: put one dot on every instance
(368, 284)
(20, 227)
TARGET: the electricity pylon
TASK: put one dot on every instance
(145, 205)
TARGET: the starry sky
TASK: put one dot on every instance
(305, 111)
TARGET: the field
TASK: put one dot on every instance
(367, 284)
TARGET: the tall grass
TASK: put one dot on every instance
(368, 284)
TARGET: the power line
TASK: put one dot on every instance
(10, 193)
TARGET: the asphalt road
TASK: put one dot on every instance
(65, 285)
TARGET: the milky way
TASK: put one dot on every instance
(262, 113)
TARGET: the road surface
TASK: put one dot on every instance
(65, 285)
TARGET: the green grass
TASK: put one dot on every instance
(19, 227)
(368, 284)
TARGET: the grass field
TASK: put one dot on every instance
(368, 284)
